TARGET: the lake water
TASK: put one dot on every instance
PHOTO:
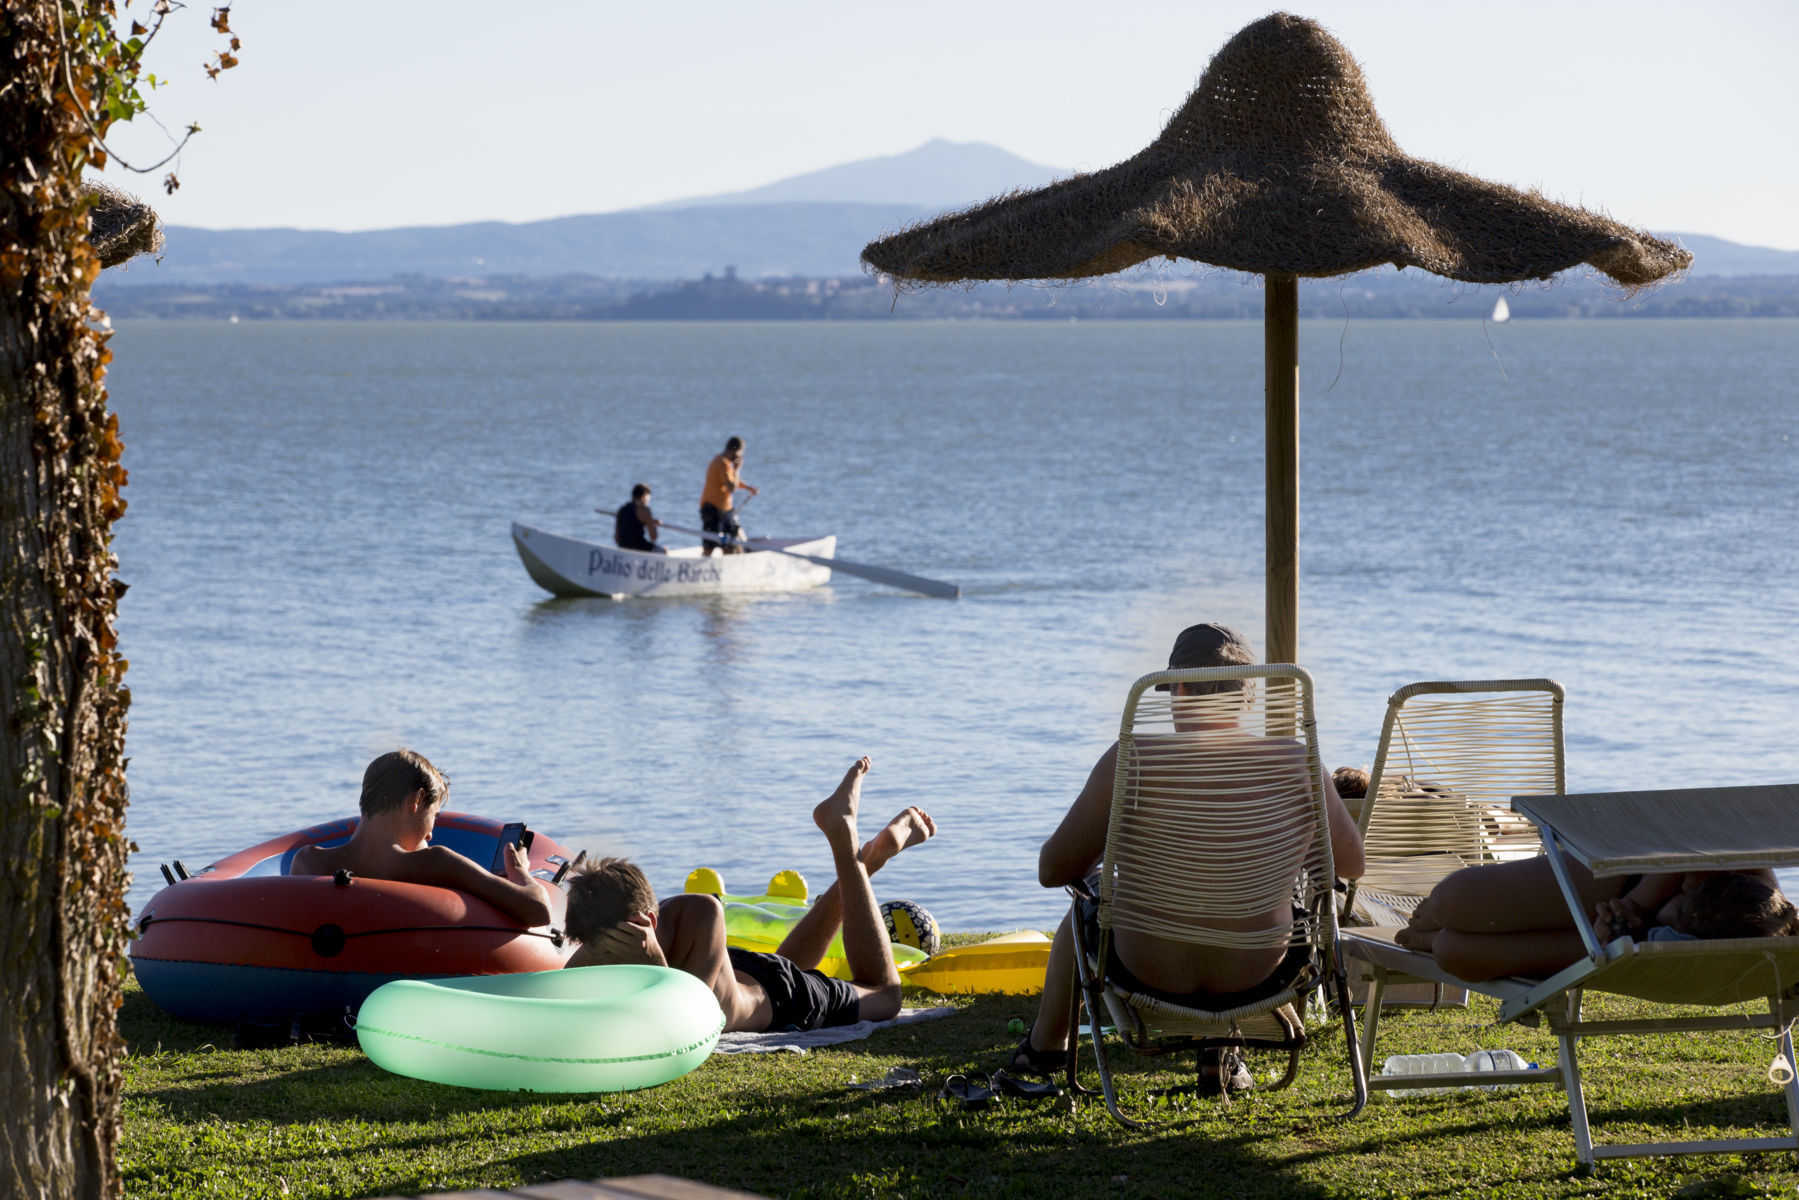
(320, 566)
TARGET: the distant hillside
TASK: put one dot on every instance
(937, 175)
(759, 240)
(812, 225)
(1715, 256)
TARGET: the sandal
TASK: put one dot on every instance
(1029, 1061)
(963, 1090)
(1223, 1073)
(1024, 1089)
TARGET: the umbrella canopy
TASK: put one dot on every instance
(1277, 164)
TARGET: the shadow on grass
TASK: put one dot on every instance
(919, 1150)
(147, 1029)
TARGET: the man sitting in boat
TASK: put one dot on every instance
(402, 794)
(1174, 968)
(717, 504)
(634, 527)
(613, 914)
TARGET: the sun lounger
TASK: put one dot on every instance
(1619, 833)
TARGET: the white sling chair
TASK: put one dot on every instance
(1620, 833)
(1218, 840)
(1451, 757)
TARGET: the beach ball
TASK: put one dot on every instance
(910, 924)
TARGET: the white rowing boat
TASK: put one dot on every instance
(570, 567)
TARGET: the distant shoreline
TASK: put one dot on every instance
(1214, 296)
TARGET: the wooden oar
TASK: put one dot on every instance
(886, 575)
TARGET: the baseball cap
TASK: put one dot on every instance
(1208, 645)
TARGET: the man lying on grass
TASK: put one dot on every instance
(612, 912)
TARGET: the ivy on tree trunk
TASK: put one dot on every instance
(63, 923)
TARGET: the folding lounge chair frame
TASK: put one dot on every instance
(1237, 807)
(1452, 755)
(1618, 833)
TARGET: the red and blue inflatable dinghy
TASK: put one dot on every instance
(244, 941)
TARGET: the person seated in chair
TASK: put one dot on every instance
(1178, 969)
(613, 914)
(1352, 788)
(402, 793)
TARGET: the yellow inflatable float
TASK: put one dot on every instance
(762, 922)
(1012, 964)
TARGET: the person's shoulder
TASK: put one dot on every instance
(311, 860)
(430, 864)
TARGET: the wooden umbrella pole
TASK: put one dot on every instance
(1280, 352)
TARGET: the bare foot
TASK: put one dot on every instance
(912, 826)
(836, 813)
(1424, 917)
(1417, 939)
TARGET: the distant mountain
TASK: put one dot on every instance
(685, 243)
(937, 175)
(808, 225)
(1715, 256)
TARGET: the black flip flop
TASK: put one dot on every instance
(1009, 1084)
(963, 1090)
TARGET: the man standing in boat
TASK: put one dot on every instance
(717, 502)
(634, 527)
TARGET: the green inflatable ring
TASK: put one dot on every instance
(580, 1029)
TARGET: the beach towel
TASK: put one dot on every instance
(801, 1042)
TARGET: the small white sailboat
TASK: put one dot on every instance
(1501, 311)
(571, 567)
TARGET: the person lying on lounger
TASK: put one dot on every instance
(1499, 919)
(402, 793)
(1174, 968)
(613, 914)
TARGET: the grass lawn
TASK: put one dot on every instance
(204, 1119)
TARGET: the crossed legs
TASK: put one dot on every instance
(849, 903)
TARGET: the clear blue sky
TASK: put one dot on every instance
(347, 114)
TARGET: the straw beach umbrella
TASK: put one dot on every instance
(1277, 164)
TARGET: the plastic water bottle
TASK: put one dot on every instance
(1421, 1064)
(1497, 1060)
(1444, 1064)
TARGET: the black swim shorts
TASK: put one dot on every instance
(720, 521)
(801, 999)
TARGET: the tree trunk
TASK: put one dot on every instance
(62, 700)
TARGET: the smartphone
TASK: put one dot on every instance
(513, 833)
